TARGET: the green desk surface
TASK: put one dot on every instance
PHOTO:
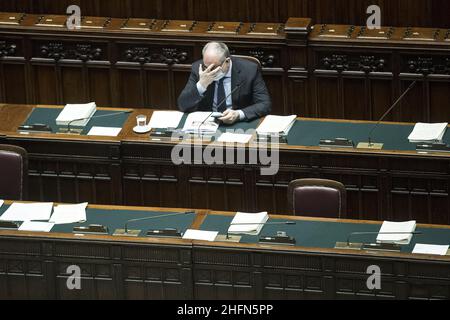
(319, 234)
(48, 116)
(116, 219)
(394, 136)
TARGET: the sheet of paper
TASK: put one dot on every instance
(248, 223)
(104, 131)
(200, 235)
(200, 121)
(276, 124)
(403, 236)
(428, 132)
(28, 211)
(36, 226)
(229, 137)
(1, 203)
(74, 112)
(69, 213)
(165, 119)
(420, 248)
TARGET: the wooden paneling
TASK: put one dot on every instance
(425, 13)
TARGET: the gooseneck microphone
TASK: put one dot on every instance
(377, 233)
(370, 144)
(134, 233)
(218, 106)
(95, 117)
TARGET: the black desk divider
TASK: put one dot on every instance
(91, 229)
(9, 225)
(337, 143)
(433, 147)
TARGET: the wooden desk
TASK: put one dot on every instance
(133, 170)
(34, 265)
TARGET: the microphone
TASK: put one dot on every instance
(134, 233)
(94, 117)
(219, 106)
(379, 146)
(228, 238)
(374, 246)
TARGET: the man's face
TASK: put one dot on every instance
(211, 59)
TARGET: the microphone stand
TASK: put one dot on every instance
(218, 107)
(125, 232)
(78, 131)
(373, 246)
(379, 146)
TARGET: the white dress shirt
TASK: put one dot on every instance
(227, 87)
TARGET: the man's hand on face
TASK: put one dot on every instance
(230, 116)
(207, 77)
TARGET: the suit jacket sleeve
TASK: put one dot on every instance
(189, 98)
(262, 104)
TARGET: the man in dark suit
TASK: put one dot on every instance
(215, 77)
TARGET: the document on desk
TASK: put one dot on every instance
(200, 122)
(192, 234)
(276, 125)
(248, 223)
(404, 235)
(229, 137)
(165, 119)
(73, 112)
(36, 226)
(28, 212)
(69, 213)
(104, 131)
(428, 132)
(420, 248)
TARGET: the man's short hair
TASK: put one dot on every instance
(219, 48)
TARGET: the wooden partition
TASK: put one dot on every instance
(326, 71)
(424, 13)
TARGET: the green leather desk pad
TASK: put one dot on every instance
(116, 219)
(48, 116)
(394, 136)
(319, 234)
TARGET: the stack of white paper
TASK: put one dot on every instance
(229, 137)
(403, 236)
(104, 131)
(428, 132)
(192, 234)
(430, 249)
(69, 213)
(28, 212)
(165, 119)
(276, 125)
(36, 226)
(200, 122)
(248, 223)
(76, 111)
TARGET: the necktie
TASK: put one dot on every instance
(221, 96)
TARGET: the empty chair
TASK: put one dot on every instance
(13, 173)
(317, 198)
